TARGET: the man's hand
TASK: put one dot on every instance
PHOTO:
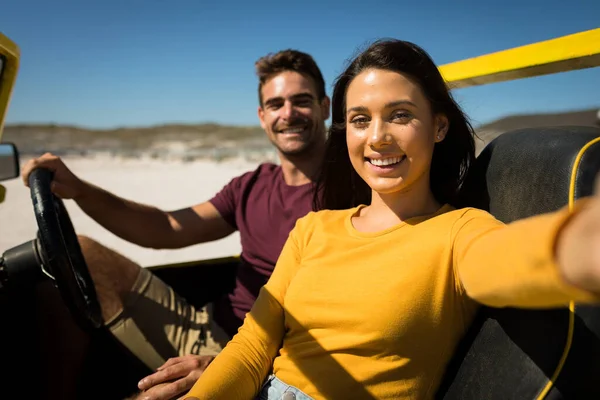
(173, 378)
(65, 184)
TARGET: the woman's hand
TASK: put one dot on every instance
(578, 247)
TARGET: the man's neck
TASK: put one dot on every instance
(299, 171)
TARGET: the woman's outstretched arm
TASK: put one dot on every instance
(517, 265)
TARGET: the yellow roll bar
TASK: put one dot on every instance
(567, 53)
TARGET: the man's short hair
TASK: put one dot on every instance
(288, 60)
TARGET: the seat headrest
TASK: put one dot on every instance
(532, 171)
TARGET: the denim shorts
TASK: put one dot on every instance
(275, 389)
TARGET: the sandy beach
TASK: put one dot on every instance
(164, 183)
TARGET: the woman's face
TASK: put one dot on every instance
(391, 131)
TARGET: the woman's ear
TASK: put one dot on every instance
(441, 127)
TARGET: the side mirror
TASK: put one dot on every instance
(9, 161)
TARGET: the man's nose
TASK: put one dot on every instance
(288, 110)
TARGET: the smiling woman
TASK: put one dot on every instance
(391, 133)
(412, 105)
(371, 294)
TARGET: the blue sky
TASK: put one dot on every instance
(116, 63)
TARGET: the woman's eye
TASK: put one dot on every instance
(402, 116)
(359, 121)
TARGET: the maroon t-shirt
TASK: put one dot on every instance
(264, 209)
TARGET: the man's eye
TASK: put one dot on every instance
(303, 103)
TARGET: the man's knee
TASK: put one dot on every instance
(107, 267)
(96, 253)
(114, 275)
(87, 244)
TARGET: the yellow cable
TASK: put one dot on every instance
(563, 358)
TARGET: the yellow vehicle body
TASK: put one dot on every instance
(9, 66)
(10, 54)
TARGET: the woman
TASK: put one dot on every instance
(370, 296)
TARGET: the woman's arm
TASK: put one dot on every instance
(515, 265)
(239, 371)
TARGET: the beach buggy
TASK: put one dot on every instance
(506, 354)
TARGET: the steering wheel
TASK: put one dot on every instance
(61, 253)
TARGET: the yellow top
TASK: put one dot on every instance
(357, 315)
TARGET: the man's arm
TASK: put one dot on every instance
(149, 226)
(144, 225)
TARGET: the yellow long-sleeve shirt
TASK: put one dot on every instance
(378, 315)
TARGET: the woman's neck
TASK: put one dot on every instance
(387, 210)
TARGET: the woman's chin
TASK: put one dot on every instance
(387, 186)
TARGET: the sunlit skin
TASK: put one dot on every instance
(391, 133)
(292, 115)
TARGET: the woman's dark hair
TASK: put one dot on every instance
(338, 185)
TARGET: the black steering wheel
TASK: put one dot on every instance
(61, 254)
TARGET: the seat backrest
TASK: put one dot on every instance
(513, 353)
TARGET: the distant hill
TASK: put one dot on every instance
(161, 141)
(218, 141)
(489, 131)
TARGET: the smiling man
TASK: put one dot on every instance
(263, 205)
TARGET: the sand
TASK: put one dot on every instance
(166, 184)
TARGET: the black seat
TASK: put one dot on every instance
(511, 353)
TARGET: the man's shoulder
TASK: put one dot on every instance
(264, 171)
(268, 169)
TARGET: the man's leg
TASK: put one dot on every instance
(145, 314)
(114, 275)
(141, 311)
(215, 337)
(62, 339)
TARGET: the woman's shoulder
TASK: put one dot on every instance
(324, 219)
(328, 215)
(470, 212)
(469, 219)
(465, 214)
(447, 212)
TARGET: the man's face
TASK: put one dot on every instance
(292, 115)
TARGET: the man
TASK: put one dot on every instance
(263, 205)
